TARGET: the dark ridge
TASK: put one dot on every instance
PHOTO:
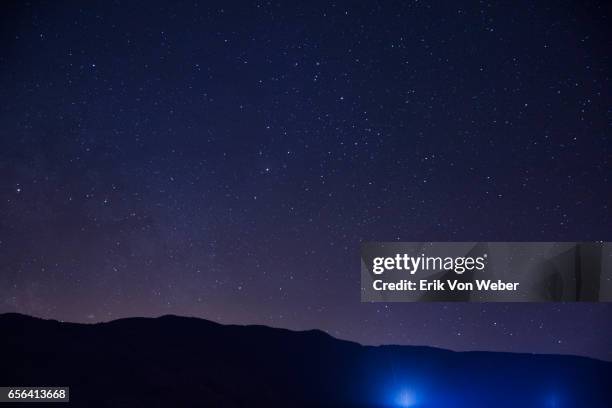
(191, 362)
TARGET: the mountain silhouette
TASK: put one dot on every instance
(175, 361)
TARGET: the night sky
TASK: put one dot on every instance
(226, 160)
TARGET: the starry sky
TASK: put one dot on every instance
(225, 160)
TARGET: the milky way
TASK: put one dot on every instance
(226, 160)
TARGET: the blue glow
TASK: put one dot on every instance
(553, 402)
(405, 398)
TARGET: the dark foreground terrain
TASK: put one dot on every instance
(186, 362)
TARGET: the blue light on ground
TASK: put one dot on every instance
(413, 393)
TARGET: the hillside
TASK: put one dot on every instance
(189, 362)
